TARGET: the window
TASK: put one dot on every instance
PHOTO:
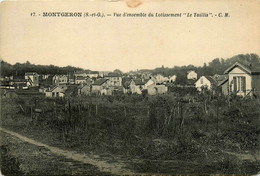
(239, 83)
(201, 80)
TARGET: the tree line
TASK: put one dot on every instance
(216, 66)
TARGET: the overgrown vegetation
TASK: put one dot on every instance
(194, 127)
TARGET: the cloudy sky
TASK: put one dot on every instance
(128, 43)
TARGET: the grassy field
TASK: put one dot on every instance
(21, 158)
(149, 134)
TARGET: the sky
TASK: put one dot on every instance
(109, 43)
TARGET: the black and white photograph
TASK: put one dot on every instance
(129, 87)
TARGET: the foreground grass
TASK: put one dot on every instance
(21, 158)
(201, 153)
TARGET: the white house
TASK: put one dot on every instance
(161, 79)
(243, 79)
(33, 77)
(192, 75)
(206, 82)
(93, 74)
(99, 85)
(60, 79)
(84, 89)
(55, 91)
(80, 80)
(115, 79)
(148, 82)
(127, 84)
(172, 78)
(157, 89)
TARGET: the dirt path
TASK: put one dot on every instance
(103, 166)
(248, 156)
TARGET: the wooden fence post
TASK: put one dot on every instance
(31, 114)
(96, 109)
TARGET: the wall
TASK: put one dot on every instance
(206, 82)
(239, 72)
(256, 84)
(157, 89)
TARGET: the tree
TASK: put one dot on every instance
(118, 71)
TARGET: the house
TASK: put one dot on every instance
(103, 73)
(157, 89)
(80, 73)
(161, 79)
(6, 84)
(80, 80)
(42, 89)
(33, 77)
(71, 79)
(115, 79)
(100, 84)
(84, 89)
(138, 86)
(146, 75)
(243, 79)
(107, 91)
(127, 83)
(205, 82)
(55, 91)
(223, 85)
(21, 83)
(60, 79)
(172, 78)
(93, 74)
(192, 75)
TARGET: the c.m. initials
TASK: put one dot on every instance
(223, 15)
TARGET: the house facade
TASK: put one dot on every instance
(60, 79)
(84, 90)
(127, 83)
(161, 79)
(243, 80)
(115, 79)
(93, 74)
(33, 77)
(172, 78)
(157, 89)
(55, 91)
(99, 85)
(205, 82)
(80, 80)
(192, 75)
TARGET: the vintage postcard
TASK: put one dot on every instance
(130, 87)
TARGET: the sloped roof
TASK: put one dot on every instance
(251, 69)
(52, 88)
(222, 82)
(111, 74)
(219, 78)
(100, 81)
(126, 82)
(139, 82)
(80, 78)
(93, 72)
(213, 81)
